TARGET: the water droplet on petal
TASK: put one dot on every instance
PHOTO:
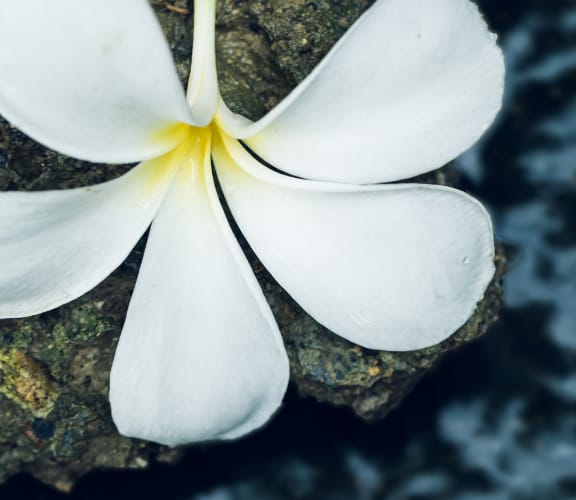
(359, 318)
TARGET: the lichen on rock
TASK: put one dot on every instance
(54, 415)
(25, 381)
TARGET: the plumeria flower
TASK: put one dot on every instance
(387, 266)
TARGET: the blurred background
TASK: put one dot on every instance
(497, 419)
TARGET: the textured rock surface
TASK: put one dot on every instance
(54, 413)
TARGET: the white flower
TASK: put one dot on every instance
(411, 85)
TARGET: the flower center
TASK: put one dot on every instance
(192, 154)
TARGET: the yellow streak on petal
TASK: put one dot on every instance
(172, 135)
(186, 162)
(219, 148)
(198, 156)
(160, 170)
(225, 145)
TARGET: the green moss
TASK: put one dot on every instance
(83, 323)
(18, 338)
(26, 382)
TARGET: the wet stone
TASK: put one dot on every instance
(54, 414)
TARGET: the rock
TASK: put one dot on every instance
(54, 412)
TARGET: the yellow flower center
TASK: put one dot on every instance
(188, 158)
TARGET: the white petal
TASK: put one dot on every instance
(200, 356)
(395, 267)
(93, 80)
(57, 245)
(410, 86)
(203, 94)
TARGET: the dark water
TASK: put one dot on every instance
(498, 419)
